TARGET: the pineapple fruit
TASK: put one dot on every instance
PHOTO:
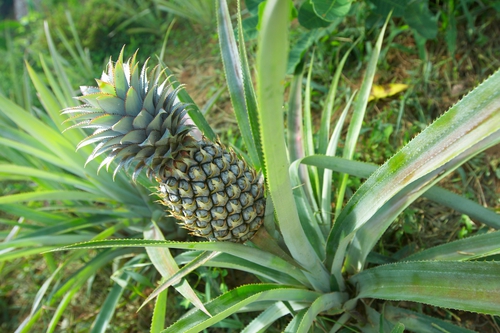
(138, 121)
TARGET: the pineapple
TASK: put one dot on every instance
(138, 121)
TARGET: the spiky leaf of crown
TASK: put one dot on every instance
(136, 119)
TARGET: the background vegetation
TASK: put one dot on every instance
(420, 74)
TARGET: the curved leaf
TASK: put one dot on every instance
(330, 301)
(225, 260)
(239, 250)
(232, 301)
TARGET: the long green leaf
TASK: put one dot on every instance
(39, 130)
(271, 66)
(34, 152)
(30, 213)
(295, 134)
(59, 70)
(461, 204)
(225, 260)
(239, 250)
(234, 77)
(436, 193)
(326, 115)
(51, 195)
(42, 241)
(12, 169)
(326, 194)
(308, 130)
(469, 286)
(469, 248)
(295, 125)
(358, 114)
(250, 96)
(159, 313)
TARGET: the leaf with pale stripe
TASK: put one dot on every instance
(469, 286)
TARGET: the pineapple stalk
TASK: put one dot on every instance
(138, 121)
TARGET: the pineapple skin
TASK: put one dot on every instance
(214, 193)
(138, 121)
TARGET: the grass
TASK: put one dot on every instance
(435, 84)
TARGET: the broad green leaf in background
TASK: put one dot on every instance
(384, 7)
(419, 17)
(329, 10)
(308, 18)
(253, 6)
(302, 43)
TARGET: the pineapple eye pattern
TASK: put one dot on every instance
(138, 122)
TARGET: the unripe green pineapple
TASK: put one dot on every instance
(139, 122)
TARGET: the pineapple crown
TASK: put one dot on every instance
(136, 119)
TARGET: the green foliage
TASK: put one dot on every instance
(317, 270)
(415, 13)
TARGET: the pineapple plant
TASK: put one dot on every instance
(138, 121)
